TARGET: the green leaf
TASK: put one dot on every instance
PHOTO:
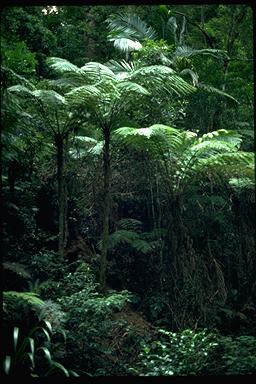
(7, 364)
(47, 354)
(48, 325)
(15, 337)
(61, 368)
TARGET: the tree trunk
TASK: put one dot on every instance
(59, 141)
(106, 209)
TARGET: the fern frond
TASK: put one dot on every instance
(50, 98)
(17, 268)
(128, 86)
(25, 297)
(163, 77)
(85, 94)
(21, 90)
(131, 238)
(130, 224)
(63, 66)
(98, 72)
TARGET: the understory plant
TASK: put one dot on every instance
(31, 355)
(196, 352)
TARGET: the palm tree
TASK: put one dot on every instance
(107, 95)
(128, 33)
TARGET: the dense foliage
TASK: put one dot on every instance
(127, 190)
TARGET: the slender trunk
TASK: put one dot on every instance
(12, 172)
(202, 16)
(59, 141)
(106, 210)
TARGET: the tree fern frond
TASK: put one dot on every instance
(85, 140)
(209, 147)
(98, 72)
(240, 183)
(21, 90)
(62, 66)
(88, 94)
(97, 149)
(51, 98)
(162, 77)
(157, 136)
(233, 159)
(129, 223)
(128, 86)
(131, 238)
(142, 246)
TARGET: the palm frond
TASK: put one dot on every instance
(129, 25)
(122, 66)
(171, 25)
(192, 74)
(185, 51)
(127, 45)
(216, 91)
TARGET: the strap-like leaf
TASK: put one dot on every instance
(7, 364)
(15, 337)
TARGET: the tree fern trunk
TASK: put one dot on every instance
(106, 210)
(59, 141)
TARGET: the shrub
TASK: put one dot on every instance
(30, 355)
(89, 321)
(46, 265)
(196, 353)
